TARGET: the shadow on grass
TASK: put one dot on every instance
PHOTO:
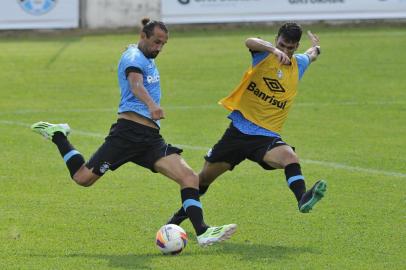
(127, 261)
(244, 252)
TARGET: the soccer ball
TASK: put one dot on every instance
(171, 239)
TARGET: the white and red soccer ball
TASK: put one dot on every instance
(171, 239)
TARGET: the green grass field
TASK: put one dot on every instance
(348, 126)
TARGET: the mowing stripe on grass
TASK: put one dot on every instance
(204, 107)
(202, 148)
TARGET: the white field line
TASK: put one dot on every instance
(202, 148)
(352, 168)
(199, 107)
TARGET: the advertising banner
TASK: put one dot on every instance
(36, 14)
(214, 11)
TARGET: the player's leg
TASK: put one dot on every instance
(74, 160)
(85, 177)
(207, 175)
(225, 155)
(175, 168)
(284, 157)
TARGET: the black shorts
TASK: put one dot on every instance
(236, 146)
(130, 141)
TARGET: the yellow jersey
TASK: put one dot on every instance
(265, 93)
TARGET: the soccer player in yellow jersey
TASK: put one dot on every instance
(259, 106)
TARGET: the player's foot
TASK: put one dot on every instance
(178, 217)
(216, 234)
(312, 196)
(48, 130)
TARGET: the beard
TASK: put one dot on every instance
(148, 54)
(152, 54)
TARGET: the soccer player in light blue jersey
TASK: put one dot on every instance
(135, 136)
(259, 106)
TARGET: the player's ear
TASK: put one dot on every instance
(143, 35)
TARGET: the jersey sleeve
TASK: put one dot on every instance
(132, 69)
(258, 57)
(303, 62)
(133, 62)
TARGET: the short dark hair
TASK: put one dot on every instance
(291, 32)
(148, 26)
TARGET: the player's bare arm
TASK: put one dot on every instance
(260, 45)
(314, 51)
(138, 89)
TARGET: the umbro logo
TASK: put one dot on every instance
(274, 85)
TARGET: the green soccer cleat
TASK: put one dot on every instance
(312, 196)
(216, 234)
(48, 130)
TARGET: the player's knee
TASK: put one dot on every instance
(211, 171)
(190, 180)
(205, 179)
(83, 180)
(290, 157)
(87, 183)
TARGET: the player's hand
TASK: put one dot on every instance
(282, 57)
(156, 112)
(314, 39)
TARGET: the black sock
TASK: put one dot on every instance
(295, 180)
(73, 159)
(181, 211)
(193, 209)
(202, 190)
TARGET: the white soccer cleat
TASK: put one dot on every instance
(216, 234)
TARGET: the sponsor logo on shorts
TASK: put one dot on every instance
(104, 167)
(209, 152)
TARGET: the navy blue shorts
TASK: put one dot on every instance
(236, 146)
(129, 141)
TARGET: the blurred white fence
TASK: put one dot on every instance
(34, 14)
(217, 11)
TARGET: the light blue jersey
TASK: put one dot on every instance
(246, 126)
(134, 58)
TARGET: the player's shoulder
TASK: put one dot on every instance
(258, 56)
(302, 58)
(132, 51)
(133, 55)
